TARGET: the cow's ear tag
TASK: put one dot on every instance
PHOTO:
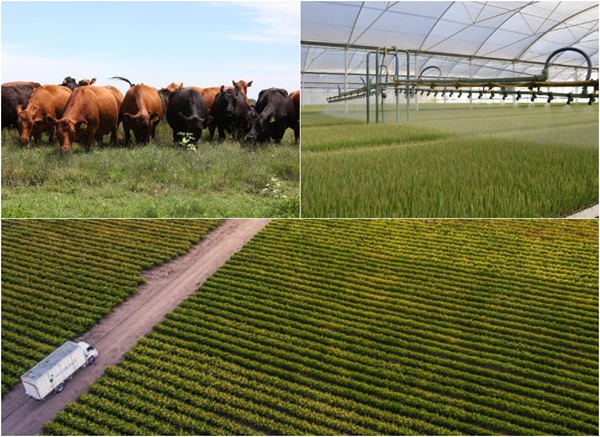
(272, 120)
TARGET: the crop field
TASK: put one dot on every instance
(161, 179)
(371, 327)
(493, 161)
(59, 278)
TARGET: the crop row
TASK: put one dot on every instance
(489, 266)
(336, 358)
(484, 237)
(92, 237)
(422, 282)
(60, 277)
(305, 323)
(479, 302)
(376, 327)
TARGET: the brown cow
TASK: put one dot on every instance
(31, 84)
(45, 100)
(209, 94)
(91, 113)
(243, 86)
(87, 82)
(165, 93)
(141, 111)
(173, 87)
(295, 96)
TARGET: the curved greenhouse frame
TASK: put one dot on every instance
(488, 40)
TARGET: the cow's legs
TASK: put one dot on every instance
(51, 133)
(127, 131)
(113, 136)
(211, 131)
(89, 140)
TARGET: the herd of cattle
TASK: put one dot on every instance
(81, 112)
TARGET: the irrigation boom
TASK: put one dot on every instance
(488, 87)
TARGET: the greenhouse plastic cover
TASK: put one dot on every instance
(482, 39)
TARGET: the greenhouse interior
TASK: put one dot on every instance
(447, 41)
(449, 109)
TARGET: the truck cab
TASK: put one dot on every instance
(90, 352)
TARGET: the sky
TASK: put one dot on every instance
(199, 43)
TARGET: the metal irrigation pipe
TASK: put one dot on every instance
(407, 78)
(429, 68)
(378, 85)
(368, 87)
(513, 82)
(387, 69)
(396, 93)
(572, 49)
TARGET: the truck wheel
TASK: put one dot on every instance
(60, 388)
(91, 360)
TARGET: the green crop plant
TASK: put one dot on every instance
(59, 278)
(488, 162)
(373, 327)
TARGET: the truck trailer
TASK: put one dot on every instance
(52, 372)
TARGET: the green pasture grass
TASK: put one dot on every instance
(450, 161)
(160, 179)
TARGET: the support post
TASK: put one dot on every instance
(346, 75)
(396, 77)
(416, 73)
(576, 76)
(514, 97)
(471, 77)
(377, 86)
(368, 87)
(407, 79)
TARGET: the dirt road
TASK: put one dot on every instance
(166, 287)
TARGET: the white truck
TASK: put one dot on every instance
(53, 371)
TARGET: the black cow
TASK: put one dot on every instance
(229, 113)
(187, 113)
(273, 113)
(71, 83)
(13, 96)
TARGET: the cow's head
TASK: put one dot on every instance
(142, 125)
(260, 125)
(194, 126)
(165, 93)
(173, 87)
(27, 124)
(87, 82)
(243, 86)
(70, 83)
(68, 131)
(230, 97)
